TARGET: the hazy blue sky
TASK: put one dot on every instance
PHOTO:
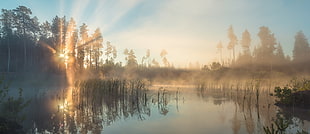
(188, 29)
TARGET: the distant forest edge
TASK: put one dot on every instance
(28, 46)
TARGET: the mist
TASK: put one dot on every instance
(63, 76)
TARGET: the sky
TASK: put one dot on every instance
(188, 29)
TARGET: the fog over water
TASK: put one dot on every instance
(161, 67)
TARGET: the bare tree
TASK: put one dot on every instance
(246, 42)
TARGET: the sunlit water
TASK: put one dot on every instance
(166, 110)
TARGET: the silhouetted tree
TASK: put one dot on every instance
(155, 63)
(81, 51)
(246, 42)
(84, 51)
(71, 36)
(35, 28)
(163, 55)
(215, 66)
(45, 30)
(114, 53)
(108, 51)
(245, 58)
(71, 39)
(22, 22)
(97, 46)
(220, 50)
(265, 53)
(130, 58)
(83, 33)
(6, 30)
(279, 53)
(232, 41)
(280, 61)
(57, 31)
(146, 58)
(301, 48)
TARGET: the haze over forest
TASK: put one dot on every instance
(194, 28)
(28, 44)
(180, 66)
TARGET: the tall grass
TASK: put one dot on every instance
(98, 101)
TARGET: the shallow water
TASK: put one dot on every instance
(162, 110)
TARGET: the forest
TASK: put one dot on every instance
(35, 53)
(29, 46)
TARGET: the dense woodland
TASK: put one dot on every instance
(28, 45)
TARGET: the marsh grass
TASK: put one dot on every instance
(98, 102)
(251, 98)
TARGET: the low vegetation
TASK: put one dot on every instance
(11, 109)
(297, 93)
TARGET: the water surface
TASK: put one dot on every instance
(161, 110)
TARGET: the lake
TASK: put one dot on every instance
(159, 109)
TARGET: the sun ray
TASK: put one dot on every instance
(78, 8)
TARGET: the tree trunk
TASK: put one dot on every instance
(90, 62)
(24, 43)
(25, 54)
(234, 55)
(9, 56)
(97, 58)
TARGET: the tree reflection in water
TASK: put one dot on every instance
(95, 104)
(254, 106)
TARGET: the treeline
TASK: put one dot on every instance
(267, 56)
(26, 45)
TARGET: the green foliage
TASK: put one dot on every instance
(10, 109)
(10, 127)
(4, 89)
(284, 95)
(288, 94)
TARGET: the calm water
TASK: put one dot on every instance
(161, 110)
